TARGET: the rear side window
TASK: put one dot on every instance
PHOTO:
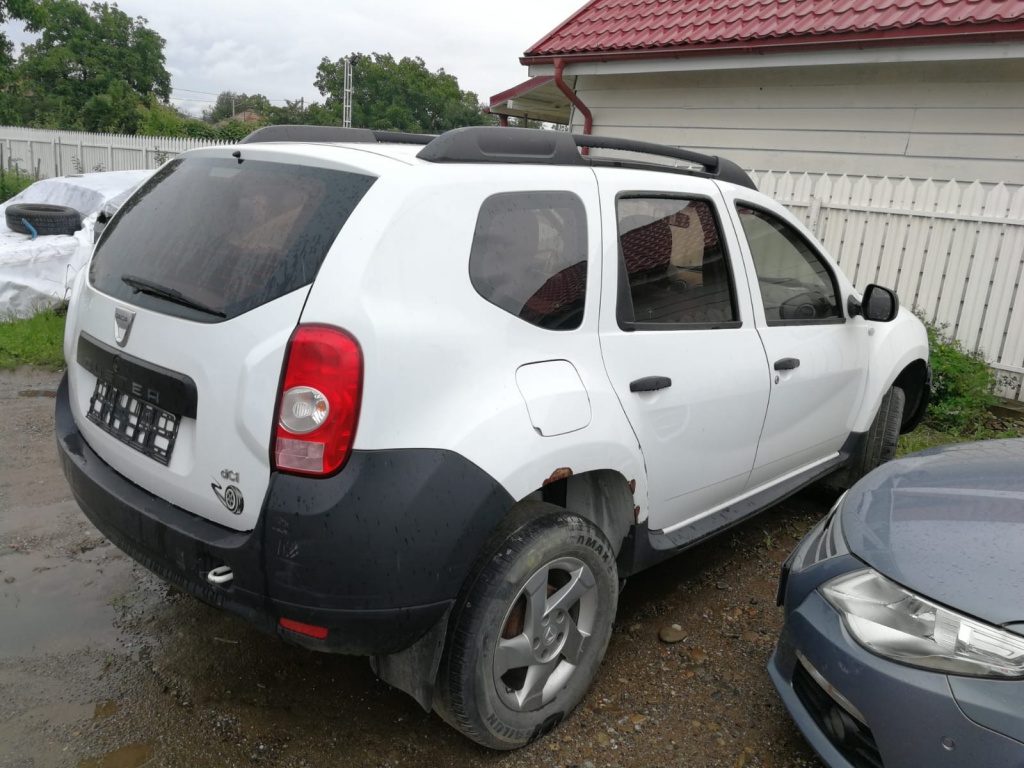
(529, 257)
(224, 235)
(673, 264)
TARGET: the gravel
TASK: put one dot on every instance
(104, 665)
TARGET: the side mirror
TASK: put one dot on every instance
(879, 304)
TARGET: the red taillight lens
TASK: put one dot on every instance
(318, 406)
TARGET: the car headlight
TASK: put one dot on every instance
(895, 623)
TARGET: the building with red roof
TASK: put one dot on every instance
(905, 88)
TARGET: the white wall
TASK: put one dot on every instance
(937, 120)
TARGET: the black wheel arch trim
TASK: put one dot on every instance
(916, 382)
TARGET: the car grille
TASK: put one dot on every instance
(853, 739)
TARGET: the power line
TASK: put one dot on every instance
(189, 90)
(198, 101)
(207, 93)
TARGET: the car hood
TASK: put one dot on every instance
(947, 523)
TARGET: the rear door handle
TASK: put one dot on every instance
(787, 364)
(650, 384)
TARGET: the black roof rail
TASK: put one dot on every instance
(333, 134)
(487, 144)
(490, 144)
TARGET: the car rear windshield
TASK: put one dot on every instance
(209, 239)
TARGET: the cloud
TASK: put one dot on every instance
(260, 46)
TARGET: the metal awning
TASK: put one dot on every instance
(536, 99)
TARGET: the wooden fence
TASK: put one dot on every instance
(56, 153)
(953, 250)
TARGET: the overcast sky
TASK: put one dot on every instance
(273, 48)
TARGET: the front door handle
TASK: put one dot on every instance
(787, 364)
(650, 384)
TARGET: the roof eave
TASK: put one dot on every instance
(991, 33)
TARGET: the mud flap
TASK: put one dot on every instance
(414, 670)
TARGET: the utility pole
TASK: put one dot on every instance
(346, 111)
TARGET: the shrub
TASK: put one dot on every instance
(961, 384)
(12, 182)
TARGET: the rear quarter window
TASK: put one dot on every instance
(529, 257)
(230, 236)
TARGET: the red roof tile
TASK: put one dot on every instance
(676, 26)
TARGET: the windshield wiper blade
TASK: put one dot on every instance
(141, 285)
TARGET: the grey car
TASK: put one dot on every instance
(903, 643)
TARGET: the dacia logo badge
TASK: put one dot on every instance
(123, 320)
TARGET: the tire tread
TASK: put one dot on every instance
(509, 541)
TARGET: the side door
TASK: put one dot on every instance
(678, 339)
(818, 359)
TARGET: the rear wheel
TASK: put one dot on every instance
(530, 629)
(880, 444)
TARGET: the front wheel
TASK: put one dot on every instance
(880, 443)
(530, 630)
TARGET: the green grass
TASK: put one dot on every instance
(928, 437)
(36, 340)
(13, 182)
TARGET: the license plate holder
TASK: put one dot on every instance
(147, 428)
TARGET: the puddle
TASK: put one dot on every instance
(50, 393)
(128, 756)
(105, 709)
(51, 603)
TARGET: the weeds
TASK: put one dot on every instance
(962, 385)
(37, 340)
(12, 182)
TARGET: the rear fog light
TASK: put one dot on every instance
(309, 630)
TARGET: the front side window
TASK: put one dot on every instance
(674, 264)
(796, 286)
(529, 257)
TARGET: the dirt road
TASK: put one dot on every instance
(103, 666)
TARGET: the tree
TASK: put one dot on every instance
(398, 95)
(24, 10)
(95, 63)
(229, 104)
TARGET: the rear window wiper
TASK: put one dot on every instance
(141, 285)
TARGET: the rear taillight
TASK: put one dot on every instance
(318, 406)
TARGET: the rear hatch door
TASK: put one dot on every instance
(176, 339)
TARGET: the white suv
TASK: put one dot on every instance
(430, 400)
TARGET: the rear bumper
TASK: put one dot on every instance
(376, 561)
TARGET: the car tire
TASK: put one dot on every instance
(543, 594)
(45, 219)
(880, 444)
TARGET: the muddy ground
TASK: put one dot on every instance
(103, 666)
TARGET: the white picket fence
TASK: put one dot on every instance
(953, 250)
(56, 153)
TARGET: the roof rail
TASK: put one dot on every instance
(485, 144)
(333, 134)
(490, 144)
